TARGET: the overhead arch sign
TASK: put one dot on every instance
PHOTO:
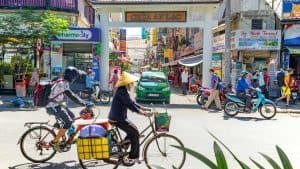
(156, 16)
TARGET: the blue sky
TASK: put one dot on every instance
(133, 32)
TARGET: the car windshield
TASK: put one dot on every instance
(156, 79)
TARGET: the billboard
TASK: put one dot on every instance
(291, 9)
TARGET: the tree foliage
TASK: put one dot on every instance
(25, 26)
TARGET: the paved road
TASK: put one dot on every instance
(245, 135)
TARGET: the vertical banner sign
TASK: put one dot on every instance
(216, 64)
(97, 48)
(96, 67)
(286, 60)
(154, 36)
(122, 40)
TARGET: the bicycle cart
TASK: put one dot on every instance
(157, 144)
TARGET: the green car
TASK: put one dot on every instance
(153, 86)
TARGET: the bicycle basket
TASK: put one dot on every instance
(162, 122)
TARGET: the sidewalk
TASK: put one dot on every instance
(191, 99)
(177, 100)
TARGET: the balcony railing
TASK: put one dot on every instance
(58, 5)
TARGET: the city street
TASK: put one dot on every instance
(246, 135)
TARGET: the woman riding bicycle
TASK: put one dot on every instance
(118, 113)
(60, 88)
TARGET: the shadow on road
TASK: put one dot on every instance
(47, 165)
(246, 118)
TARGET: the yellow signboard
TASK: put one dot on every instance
(154, 36)
(168, 53)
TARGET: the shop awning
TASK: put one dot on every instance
(191, 61)
(294, 49)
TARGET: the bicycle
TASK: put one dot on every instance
(44, 133)
(159, 144)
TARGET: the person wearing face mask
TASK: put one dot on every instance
(242, 90)
(118, 114)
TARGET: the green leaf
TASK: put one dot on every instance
(284, 159)
(257, 164)
(221, 161)
(242, 164)
(199, 156)
(271, 161)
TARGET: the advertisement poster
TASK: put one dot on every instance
(216, 64)
(123, 40)
(56, 58)
(291, 9)
(96, 67)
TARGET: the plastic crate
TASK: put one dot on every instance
(93, 148)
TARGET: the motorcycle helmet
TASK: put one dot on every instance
(71, 73)
(244, 72)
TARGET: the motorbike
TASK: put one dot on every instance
(294, 94)
(203, 94)
(97, 94)
(235, 105)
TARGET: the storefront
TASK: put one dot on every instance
(250, 50)
(292, 48)
(77, 47)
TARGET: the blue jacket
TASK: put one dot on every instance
(89, 81)
(242, 86)
(120, 104)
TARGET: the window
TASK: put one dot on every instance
(257, 24)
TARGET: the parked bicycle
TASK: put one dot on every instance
(157, 149)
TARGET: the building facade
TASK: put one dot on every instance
(255, 40)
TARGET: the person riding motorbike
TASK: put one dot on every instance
(242, 90)
(60, 88)
(118, 114)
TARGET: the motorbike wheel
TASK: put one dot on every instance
(268, 110)
(200, 100)
(231, 109)
(104, 97)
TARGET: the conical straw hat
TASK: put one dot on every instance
(125, 79)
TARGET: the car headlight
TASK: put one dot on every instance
(166, 89)
(141, 88)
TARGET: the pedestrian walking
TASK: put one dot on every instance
(184, 80)
(267, 82)
(285, 89)
(113, 80)
(214, 95)
(89, 83)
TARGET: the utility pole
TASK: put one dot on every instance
(227, 56)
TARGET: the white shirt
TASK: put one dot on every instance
(184, 77)
(58, 90)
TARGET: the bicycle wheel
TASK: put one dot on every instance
(104, 97)
(97, 164)
(158, 151)
(268, 110)
(34, 144)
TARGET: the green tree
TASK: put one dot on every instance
(25, 27)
